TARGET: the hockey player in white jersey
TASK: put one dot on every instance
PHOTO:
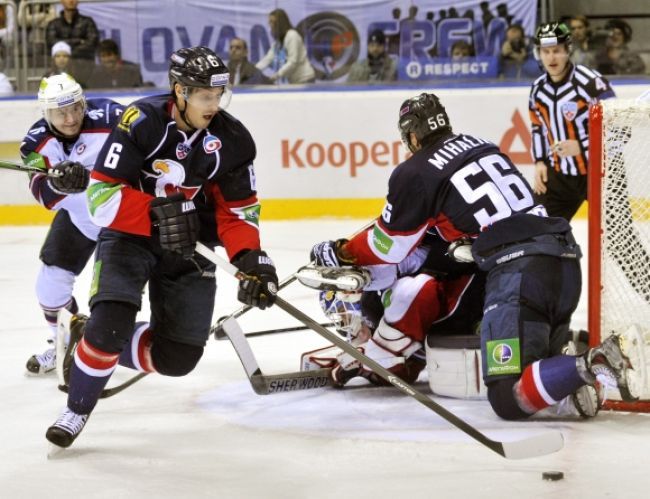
(67, 140)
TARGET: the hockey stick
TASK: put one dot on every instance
(265, 332)
(264, 384)
(109, 392)
(217, 329)
(535, 446)
(10, 165)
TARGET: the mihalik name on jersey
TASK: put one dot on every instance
(458, 185)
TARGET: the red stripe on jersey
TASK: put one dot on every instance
(448, 230)
(95, 358)
(235, 234)
(144, 351)
(528, 392)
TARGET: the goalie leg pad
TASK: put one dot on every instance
(456, 372)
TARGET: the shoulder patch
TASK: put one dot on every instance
(131, 117)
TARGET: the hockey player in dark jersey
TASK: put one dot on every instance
(66, 140)
(559, 111)
(466, 188)
(176, 169)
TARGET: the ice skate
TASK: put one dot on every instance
(40, 364)
(610, 366)
(65, 430)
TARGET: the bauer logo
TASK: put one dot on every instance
(503, 357)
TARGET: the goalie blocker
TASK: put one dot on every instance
(453, 365)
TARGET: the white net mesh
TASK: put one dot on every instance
(625, 219)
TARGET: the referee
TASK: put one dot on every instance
(559, 112)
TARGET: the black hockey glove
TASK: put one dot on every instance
(177, 222)
(328, 254)
(72, 178)
(260, 288)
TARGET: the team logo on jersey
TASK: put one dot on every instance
(211, 144)
(170, 176)
(569, 110)
(95, 114)
(131, 117)
(182, 150)
(503, 357)
(80, 149)
(37, 131)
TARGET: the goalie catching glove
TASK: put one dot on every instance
(68, 177)
(260, 286)
(177, 222)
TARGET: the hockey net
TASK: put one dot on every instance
(619, 229)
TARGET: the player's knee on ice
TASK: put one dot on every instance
(172, 358)
(502, 399)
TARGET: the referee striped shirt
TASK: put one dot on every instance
(560, 111)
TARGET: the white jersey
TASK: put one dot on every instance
(101, 116)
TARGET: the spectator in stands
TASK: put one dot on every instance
(35, 18)
(616, 57)
(80, 32)
(581, 36)
(113, 71)
(6, 25)
(287, 56)
(378, 66)
(516, 55)
(6, 88)
(461, 49)
(61, 63)
(242, 71)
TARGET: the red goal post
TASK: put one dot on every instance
(619, 230)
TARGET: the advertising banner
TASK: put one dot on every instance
(335, 31)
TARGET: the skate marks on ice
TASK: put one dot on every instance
(360, 412)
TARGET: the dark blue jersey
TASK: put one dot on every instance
(460, 185)
(148, 156)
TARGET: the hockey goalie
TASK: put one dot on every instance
(421, 313)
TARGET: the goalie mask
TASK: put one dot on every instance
(199, 67)
(424, 116)
(344, 310)
(62, 103)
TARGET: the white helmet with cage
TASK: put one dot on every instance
(57, 92)
(344, 310)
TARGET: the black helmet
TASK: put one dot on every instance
(423, 115)
(197, 67)
(552, 34)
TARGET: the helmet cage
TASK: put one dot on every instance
(344, 310)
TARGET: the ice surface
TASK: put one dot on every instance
(208, 434)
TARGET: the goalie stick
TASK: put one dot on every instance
(534, 446)
(217, 330)
(264, 384)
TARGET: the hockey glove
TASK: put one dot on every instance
(328, 254)
(261, 286)
(177, 222)
(72, 178)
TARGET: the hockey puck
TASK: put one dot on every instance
(552, 476)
